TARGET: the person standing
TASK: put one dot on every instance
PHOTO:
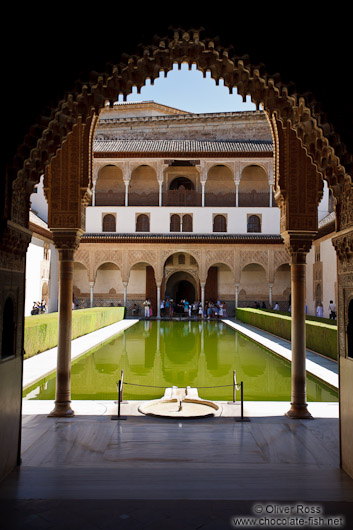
(332, 309)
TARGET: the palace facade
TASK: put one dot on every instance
(182, 207)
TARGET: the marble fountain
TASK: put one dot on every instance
(180, 403)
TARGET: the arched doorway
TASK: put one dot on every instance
(292, 116)
(181, 285)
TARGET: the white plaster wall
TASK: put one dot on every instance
(33, 276)
(329, 276)
(137, 281)
(33, 279)
(329, 273)
(202, 218)
(38, 201)
(53, 280)
(226, 285)
(107, 279)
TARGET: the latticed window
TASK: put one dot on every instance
(142, 223)
(187, 223)
(109, 223)
(219, 223)
(181, 259)
(175, 223)
(254, 223)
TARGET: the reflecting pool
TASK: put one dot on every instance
(159, 354)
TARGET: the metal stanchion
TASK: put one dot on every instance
(242, 418)
(120, 395)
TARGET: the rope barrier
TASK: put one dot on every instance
(153, 386)
(235, 385)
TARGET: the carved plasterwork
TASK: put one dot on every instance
(223, 256)
(254, 256)
(344, 249)
(102, 256)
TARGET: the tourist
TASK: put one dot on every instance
(319, 311)
(333, 310)
(200, 312)
(146, 305)
(162, 308)
(276, 308)
(135, 310)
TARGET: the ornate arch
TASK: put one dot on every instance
(280, 101)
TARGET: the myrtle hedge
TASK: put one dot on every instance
(41, 331)
(321, 334)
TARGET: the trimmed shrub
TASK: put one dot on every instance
(321, 337)
(41, 331)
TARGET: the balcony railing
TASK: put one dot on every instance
(182, 198)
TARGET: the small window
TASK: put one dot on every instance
(254, 223)
(187, 223)
(109, 223)
(175, 223)
(142, 223)
(219, 223)
(181, 259)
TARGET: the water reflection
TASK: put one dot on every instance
(158, 354)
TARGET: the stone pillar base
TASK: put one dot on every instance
(62, 410)
(299, 412)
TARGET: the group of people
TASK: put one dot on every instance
(38, 308)
(170, 308)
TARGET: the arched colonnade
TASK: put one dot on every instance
(209, 183)
(236, 261)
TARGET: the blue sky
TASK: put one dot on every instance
(190, 91)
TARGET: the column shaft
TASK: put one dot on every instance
(63, 373)
(298, 405)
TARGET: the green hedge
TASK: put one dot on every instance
(41, 331)
(321, 337)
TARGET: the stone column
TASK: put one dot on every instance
(94, 193)
(126, 182)
(125, 284)
(298, 246)
(236, 296)
(158, 299)
(66, 243)
(160, 195)
(202, 294)
(237, 193)
(203, 193)
(91, 288)
(270, 287)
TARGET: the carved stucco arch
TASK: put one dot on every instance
(302, 113)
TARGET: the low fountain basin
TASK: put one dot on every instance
(181, 403)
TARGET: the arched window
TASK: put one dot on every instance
(254, 223)
(109, 223)
(175, 223)
(219, 223)
(142, 223)
(8, 330)
(181, 182)
(187, 223)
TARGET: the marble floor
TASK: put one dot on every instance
(92, 472)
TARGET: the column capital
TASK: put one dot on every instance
(298, 244)
(66, 240)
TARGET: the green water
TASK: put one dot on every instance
(181, 353)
